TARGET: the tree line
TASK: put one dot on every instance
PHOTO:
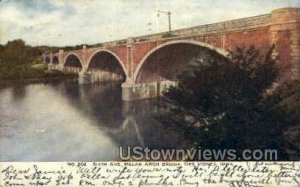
(19, 61)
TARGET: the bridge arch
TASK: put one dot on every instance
(47, 60)
(93, 55)
(55, 60)
(115, 65)
(72, 54)
(177, 42)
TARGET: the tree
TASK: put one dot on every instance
(291, 93)
(15, 52)
(230, 103)
(16, 60)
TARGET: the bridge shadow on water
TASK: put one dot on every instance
(127, 123)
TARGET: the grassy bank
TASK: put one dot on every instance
(30, 73)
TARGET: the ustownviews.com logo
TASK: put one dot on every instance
(139, 153)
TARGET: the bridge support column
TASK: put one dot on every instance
(129, 54)
(285, 34)
(50, 65)
(60, 60)
(132, 91)
(44, 58)
(84, 77)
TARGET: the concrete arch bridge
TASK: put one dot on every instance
(147, 65)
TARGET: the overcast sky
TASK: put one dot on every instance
(72, 22)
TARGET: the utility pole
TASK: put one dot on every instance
(169, 17)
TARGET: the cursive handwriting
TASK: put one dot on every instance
(143, 174)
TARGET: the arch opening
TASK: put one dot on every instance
(104, 66)
(72, 64)
(166, 62)
(47, 60)
(55, 60)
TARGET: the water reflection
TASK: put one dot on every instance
(63, 121)
(18, 91)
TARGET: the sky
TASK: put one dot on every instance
(74, 22)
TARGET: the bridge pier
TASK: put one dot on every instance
(285, 34)
(55, 67)
(133, 91)
(84, 77)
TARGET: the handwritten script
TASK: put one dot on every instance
(233, 174)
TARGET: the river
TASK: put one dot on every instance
(66, 121)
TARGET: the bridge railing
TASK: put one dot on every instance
(243, 23)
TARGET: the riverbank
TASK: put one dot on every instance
(31, 74)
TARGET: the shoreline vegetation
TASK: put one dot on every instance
(37, 73)
(21, 63)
